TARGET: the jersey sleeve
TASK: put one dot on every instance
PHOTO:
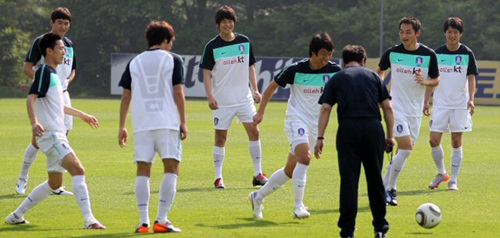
(178, 74)
(329, 96)
(252, 56)
(34, 54)
(286, 76)
(126, 81)
(433, 66)
(385, 61)
(73, 67)
(472, 68)
(41, 82)
(207, 60)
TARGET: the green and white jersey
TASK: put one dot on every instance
(454, 67)
(306, 87)
(407, 94)
(49, 106)
(229, 62)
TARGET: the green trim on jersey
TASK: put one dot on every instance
(231, 51)
(308, 79)
(451, 59)
(54, 80)
(41, 79)
(409, 60)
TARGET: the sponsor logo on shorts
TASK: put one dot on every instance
(216, 121)
(301, 131)
(399, 128)
(64, 146)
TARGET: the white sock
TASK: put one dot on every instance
(219, 154)
(438, 156)
(142, 193)
(387, 175)
(299, 183)
(275, 182)
(82, 196)
(37, 195)
(256, 154)
(456, 162)
(398, 163)
(29, 157)
(168, 189)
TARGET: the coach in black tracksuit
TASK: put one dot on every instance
(360, 137)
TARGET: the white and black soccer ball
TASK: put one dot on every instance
(428, 215)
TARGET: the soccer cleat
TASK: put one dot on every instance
(93, 224)
(13, 219)
(439, 178)
(452, 185)
(391, 198)
(259, 180)
(301, 213)
(61, 191)
(165, 227)
(380, 235)
(219, 183)
(21, 185)
(256, 205)
(142, 228)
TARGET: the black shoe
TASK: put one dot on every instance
(380, 235)
(391, 198)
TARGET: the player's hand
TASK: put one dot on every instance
(122, 136)
(37, 129)
(389, 144)
(257, 119)
(471, 107)
(427, 109)
(184, 131)
(91, 120)
(257, 97)
(318, 149)
(419, 79)
(212, 103)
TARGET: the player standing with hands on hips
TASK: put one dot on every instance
(358, 92)
(228, 67)
(153, 84)
(453, 103)
(414, 73)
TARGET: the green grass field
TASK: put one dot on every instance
(201, 211)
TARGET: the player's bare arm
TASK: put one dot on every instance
(472, 89)
(389, 124)
(36, 128)
(28, 69)
(431, 82)
(91, 120)
(381, 73)
(427, 98)
(71, 76)
(207, 82)
(253, 82)
(268, 94)
(180, 101)
(324, 118)
(124, 106)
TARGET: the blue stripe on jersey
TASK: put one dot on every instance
(449, 59)
(41, 78)
(410, 60)
(232, 50)
(308, 79)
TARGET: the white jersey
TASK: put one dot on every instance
(454, 67)
(49, 106)
(229, 63)
(151, 76)
(407, 94)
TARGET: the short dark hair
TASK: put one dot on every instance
(225, 12)
(158, 31)
(455, 23)
(411, 20)
(320, 41)
(48, 41)
(355, 53)
(60, 13)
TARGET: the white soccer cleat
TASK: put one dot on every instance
(93, 224)
(21, 185)
(61, 191)
(452, 185)
(301, 212)
(256, 205)
(13, 219)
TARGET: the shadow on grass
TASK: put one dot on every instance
(329, 211)
(187, 190)
(33, 229)
(420, 233)
(12, 196)
(251, 222)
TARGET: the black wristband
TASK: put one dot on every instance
(321, 138)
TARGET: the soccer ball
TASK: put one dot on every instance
(428, 215)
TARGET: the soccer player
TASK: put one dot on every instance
(414, 71)
(360, 136)
(46, 109)
(153, 84)
(60, 21)
(228, 67)
(453, 103)
(306, 79)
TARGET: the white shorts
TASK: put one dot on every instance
(450, 120)
(55, 146)
(165, 142)
(407, 126)
(298, 133)
(224, 116)
(68, 119)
